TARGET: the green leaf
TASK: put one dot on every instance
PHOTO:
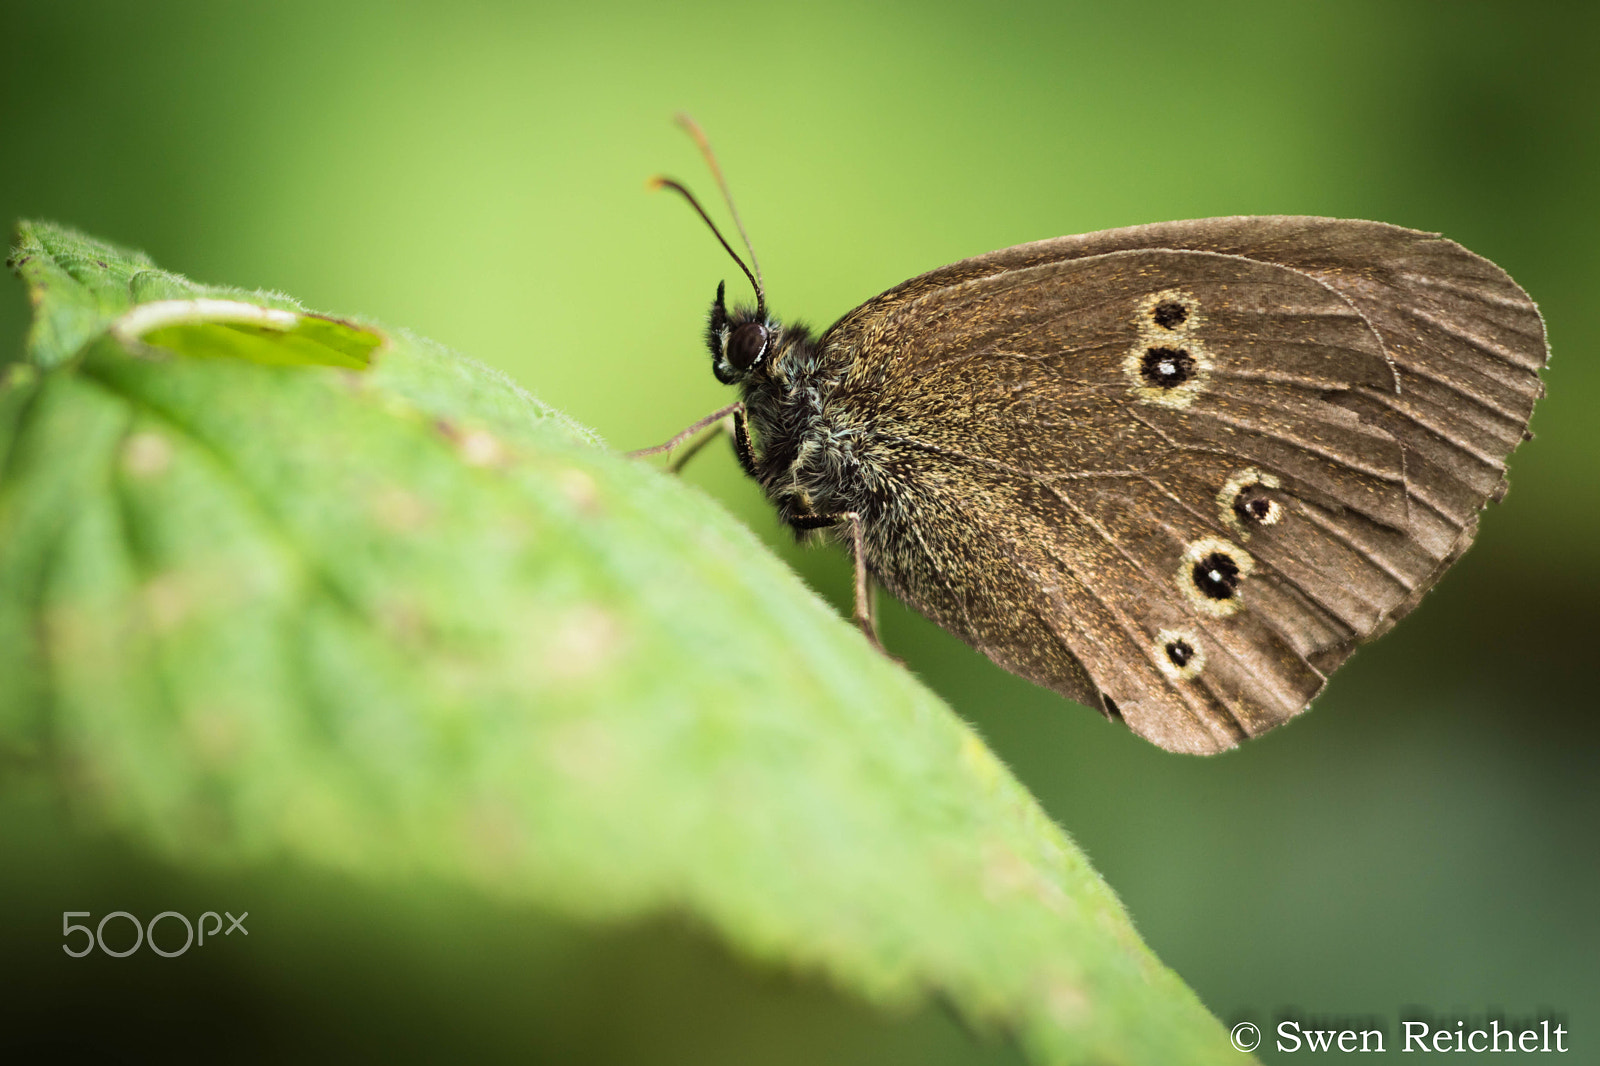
(276, 585)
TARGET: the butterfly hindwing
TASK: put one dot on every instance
(1181, 471)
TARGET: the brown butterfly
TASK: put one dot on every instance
(1176, 472)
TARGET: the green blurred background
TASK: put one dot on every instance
(1424, 841)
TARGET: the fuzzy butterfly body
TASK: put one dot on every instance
(1176, 472)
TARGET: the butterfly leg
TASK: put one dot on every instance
(865, 614)
(741, 444)
(717, 421)
(681, 460)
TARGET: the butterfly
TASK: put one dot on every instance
(1175, 472)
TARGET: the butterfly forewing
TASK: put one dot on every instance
(1180, 471)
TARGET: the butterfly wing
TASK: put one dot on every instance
(1180, 471)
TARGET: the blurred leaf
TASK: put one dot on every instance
(406, 619)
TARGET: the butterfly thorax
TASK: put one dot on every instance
(812, 449)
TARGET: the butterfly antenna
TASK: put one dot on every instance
(659, 182)
(693, 129)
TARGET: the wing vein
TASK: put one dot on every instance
(1405, 583)
(1499, 352)
(1493, 462)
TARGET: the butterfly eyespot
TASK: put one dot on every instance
(1179, 654)
(1166, 312)
(1169, 314)
(1217, 576)
(1168, 364)
(1247, 502)
(1167, 368)
(1253, 506)
(1210, 575)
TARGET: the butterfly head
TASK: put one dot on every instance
(740, 340)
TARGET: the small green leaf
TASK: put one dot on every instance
(296, 587)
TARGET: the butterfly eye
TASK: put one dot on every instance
(747, 345)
